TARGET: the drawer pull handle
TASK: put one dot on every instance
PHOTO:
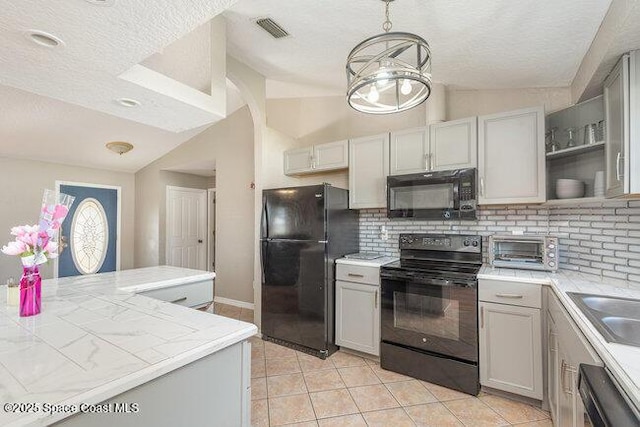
(179, 300)
(355, 275)
(481, 317)
(512, 296)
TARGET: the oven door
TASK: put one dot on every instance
(430, 196)
(429, 314)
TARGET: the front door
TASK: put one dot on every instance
(90, 230)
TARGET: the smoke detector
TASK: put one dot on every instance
(272, 27)
(119, 147)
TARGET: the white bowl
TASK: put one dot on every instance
(569, 188)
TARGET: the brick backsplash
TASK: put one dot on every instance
(601, 238)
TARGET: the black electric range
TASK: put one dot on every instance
(429, 325)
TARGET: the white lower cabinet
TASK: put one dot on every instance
(567, 349)
(357, 317)
(511, 337)
(358, 307)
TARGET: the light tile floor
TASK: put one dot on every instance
(295, 389)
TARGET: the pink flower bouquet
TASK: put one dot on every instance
(35, 245)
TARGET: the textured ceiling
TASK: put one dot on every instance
(101, 43)
(475, 44)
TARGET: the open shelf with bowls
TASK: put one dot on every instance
(575, 151)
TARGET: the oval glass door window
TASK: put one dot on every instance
(89, 234)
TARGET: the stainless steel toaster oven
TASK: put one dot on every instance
(524, 252)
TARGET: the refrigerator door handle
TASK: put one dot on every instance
(265, 219)
(263, 259)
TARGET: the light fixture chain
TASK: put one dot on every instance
(386, 25)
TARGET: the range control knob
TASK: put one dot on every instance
(447, 214)
(552, 255)
(467, 243)
(474, 243)
(551, 246)
(552, 264)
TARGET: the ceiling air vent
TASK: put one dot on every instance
(272, 27)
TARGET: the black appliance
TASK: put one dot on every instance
(429, 325)
(604, 403)
(303, 231)
(433, 195)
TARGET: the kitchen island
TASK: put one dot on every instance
(102, 353)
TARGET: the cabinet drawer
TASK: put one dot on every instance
(512, 293)
(191, 295)
(358, 274)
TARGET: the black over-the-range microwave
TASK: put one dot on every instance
(433, 195)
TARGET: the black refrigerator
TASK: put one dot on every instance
(304, 230)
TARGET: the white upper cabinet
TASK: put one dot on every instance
(454, 144)
(443, 146)
(409, 151)
(511, 157)
(330, 156)
(368, 171)
(317, 158)
(298, 161)
(622, 126)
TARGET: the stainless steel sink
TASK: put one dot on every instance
(617, 319)
(628, 329)
(614, 306)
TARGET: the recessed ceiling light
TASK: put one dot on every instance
(102, 2)
(119, 147)
(44, 39)
(128, 102)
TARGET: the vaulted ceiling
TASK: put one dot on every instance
(65, 97)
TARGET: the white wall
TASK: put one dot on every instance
(230, 143)
(467, 103)
(23, 182)
(330, 118)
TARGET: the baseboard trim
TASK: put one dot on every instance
(234, 302)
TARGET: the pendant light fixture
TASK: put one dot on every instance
(389, 72)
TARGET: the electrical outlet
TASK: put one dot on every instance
(384, 233)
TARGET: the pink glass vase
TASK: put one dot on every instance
(30, 291)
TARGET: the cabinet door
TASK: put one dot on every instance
(553, 376)
(454, 144)
(511, 349)
(298, 161)
(368, 171)
(565, 416)
(358, 317)
(616, 110)
(410, 151)
(511, 158)
(332, 155)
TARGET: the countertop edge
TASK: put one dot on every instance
(169, 283)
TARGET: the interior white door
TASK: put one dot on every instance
(186, 227)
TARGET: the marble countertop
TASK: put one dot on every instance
(621, 360)
(367, 262)
(95, 338)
